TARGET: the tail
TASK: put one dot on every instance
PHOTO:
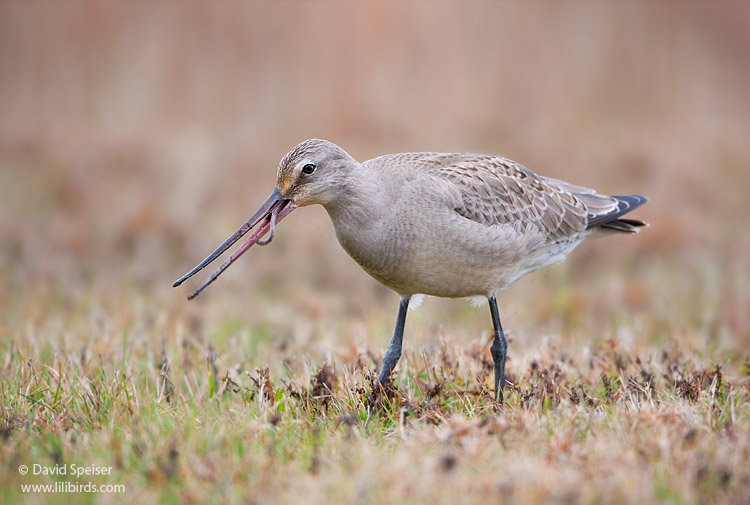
(610, 219)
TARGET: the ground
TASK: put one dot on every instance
(622, 408)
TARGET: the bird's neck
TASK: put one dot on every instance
(362, 216)
(360, 197)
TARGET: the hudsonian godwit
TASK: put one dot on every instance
(440, 224)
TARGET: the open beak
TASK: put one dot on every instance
(273, 210)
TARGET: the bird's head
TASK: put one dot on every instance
(313, 172)
(310, 173)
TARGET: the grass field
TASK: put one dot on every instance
(133, 140)
(213, 409)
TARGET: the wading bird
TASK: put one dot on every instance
(440, 224)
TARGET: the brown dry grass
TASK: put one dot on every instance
(133, 138)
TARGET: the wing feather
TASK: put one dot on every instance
(492, 190)
(499, 191)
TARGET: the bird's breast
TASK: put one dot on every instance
(378, 245)
(415, 250)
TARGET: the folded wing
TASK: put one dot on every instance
(498, 191)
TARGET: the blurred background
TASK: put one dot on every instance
(134, 137)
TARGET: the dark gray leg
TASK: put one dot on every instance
(393, 353)
(499, 350)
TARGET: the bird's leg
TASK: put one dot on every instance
(499, 350)
(393, 353)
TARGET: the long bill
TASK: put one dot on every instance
(273, 210)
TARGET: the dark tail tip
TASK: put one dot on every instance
(625, 204)
(625, 225)
(629, 202)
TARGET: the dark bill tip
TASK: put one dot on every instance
(264, 211)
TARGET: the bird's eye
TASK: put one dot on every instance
(308, 169)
